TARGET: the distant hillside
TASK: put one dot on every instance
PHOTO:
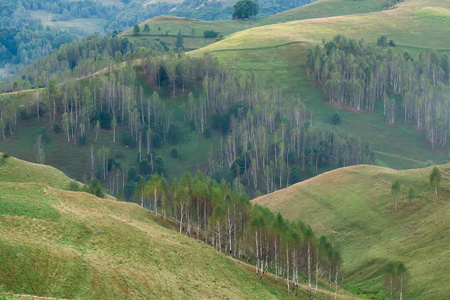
(279, 51)
(356, 206)
(63, 244)
(165, 28)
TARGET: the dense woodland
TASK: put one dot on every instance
(75, 60)
(29, 43)
(357, 74)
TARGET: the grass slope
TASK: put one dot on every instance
(415, 23)
(165, 28)
(355, 205)
(62, 244)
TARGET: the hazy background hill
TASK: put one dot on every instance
(33, 28)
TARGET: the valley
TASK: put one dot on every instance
(302, 143)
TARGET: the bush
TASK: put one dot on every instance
(82, 140)
(207, 133)
(127, 140)
(174, 134)
(132, 174)
(159, 165)
(95, 188)
(156, 140)
(382, 41)
(112, 163)
(144, 168)
(174, 153)
(43, 132)
(210, 34)
(105, 120)
(74, 186)
(24, 114)
(336, 119)
(3, 158)
(56, 128)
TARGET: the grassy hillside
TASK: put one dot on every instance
(279, 52)
(413, 23)
(355, 205)
(57, 243)
(165, 28)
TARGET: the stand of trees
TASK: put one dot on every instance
(396, 279)
(78, 59)
(221, 216)
(268, 141)
(356, 74)
(29, 43)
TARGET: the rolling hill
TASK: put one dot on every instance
(355, 205)
(165, 28)
(275, 47)
(64, 244)
(278, 51)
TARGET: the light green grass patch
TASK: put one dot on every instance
(355, 206)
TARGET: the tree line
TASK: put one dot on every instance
(27, 44)
(356, 74)
(221, 216)
(77, 59)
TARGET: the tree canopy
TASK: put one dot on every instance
(244, 9)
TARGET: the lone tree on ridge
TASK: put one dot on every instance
(244, 9)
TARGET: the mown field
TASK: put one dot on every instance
(355, 206)
(62, 244)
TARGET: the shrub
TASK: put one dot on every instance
(159, 165)
(382, 41)
(207, 133)
(210, 34)
(174, 153)
(82, 140)
(144, 167)
(336, 119)
(43, 132)
(127, 140)
(74, 186)
(56, 128)
(174, 134)
(95, 188)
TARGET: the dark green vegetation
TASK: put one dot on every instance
(244, 9)
(75, 60)
(377, 228)
(21, 46)
(354, 74)
(57, 243)
(263, 140)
